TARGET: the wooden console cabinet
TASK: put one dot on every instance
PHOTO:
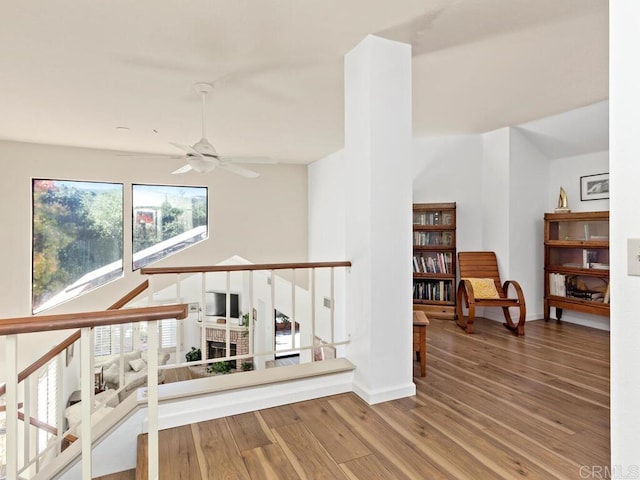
(576, 262)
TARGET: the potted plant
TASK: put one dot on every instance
(193, 355)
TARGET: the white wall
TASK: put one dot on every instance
(496, 194)
(566, 172)
(262, 219)
(625, 199)
(449, 169)
(327, 192)
(327, 226)
(527, 186)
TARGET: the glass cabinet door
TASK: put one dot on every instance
(579, 230)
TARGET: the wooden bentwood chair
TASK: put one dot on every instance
(480, 286)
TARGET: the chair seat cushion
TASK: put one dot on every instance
(483, 287)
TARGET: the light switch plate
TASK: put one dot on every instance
(633, 256)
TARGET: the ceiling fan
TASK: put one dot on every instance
(202, 157)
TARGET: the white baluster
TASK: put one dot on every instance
(86, 394)
(251, 319)
(312, 288)
(203, 328)
(332, 305)
(27, 414)
(152, 397)
(11, 356)
(293, 309)
(179, 324)
(59, 400)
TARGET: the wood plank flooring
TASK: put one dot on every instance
(492, 406)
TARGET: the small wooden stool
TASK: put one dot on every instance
(420, 322)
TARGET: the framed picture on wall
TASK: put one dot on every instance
(594, 187)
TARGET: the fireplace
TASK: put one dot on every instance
(217, 341)
(218, 350)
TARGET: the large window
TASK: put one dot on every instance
(166, 219)
(77, 239)
(107, 337)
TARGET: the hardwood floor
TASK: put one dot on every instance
(492, 406)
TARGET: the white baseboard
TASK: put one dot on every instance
(378, 396)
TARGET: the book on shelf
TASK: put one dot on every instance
(600, 266)
(432, 238)
(587, 295)
(588, 257)
(432, 218)
(557, 285)
(438, 290)
(440, 262)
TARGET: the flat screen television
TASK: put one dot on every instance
(217, 304)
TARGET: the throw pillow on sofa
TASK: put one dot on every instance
(111, 375)
(137, 364)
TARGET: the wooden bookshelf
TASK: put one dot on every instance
(576, 263)
(434, 259)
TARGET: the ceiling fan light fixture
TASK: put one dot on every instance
(200, 164)
(202, 157)
(205, 148)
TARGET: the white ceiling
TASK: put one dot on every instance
(72, 71)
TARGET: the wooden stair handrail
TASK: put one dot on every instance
(130, 296)
(13, 326)
(43, 360)
(239, 268)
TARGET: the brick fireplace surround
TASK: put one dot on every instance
(238, 336)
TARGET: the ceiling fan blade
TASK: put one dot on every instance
(245, 172)
(184, 169)
(249, 160)
(186, 148)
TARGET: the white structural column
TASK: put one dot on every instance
(378, 157)
(624, 167)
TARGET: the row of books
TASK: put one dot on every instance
(432, 238)
(436, 263)
(432, 290)
(566, 286)
(432, 218)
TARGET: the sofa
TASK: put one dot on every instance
(135, 370)
(104, 403)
